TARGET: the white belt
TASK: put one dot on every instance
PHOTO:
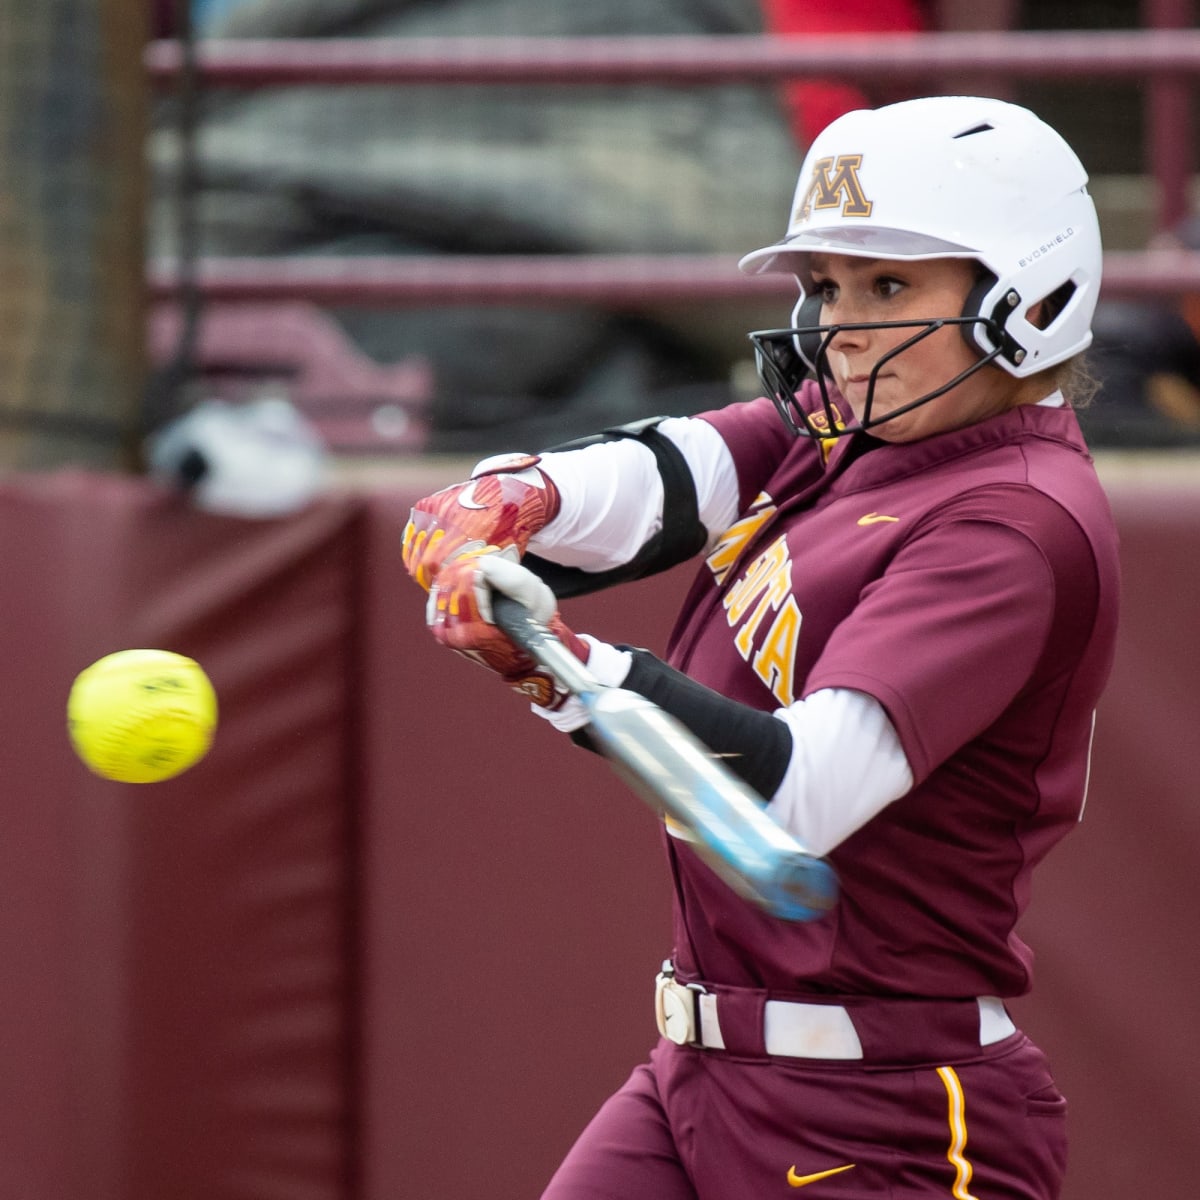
(688, 1015)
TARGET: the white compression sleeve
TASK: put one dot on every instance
(847, 764)
(612, 501)
(612, 495)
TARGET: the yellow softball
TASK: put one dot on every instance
(141, 716)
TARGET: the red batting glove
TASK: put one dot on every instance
(501, 506)
(459, 615)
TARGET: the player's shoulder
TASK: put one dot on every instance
(1029, 456)
(1059, 467)
(1068, 524)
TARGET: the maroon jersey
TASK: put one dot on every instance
(968, 582)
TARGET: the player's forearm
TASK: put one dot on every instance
(825, 765)
(751, 743)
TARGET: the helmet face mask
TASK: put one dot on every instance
(782, 368)
(941, 177)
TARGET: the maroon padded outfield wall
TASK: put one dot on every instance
(394, 937)
(174, 999)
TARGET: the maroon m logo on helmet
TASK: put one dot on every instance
(835, 184)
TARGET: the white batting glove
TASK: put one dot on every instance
(503, 573)
(608, 664)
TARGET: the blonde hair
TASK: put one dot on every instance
(1075, 380)
(1074, 377)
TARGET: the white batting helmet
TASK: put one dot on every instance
(954, 177)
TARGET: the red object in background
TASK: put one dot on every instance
(814, 103)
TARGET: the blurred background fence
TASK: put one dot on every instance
(341, 960)
(451, 239)
(550, 224)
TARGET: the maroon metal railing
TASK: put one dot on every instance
(618, 279)
(684, 59)
(1168, 60)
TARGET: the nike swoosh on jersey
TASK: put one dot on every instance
(799, 1181)
(874, 518)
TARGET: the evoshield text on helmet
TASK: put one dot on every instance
(941, 177)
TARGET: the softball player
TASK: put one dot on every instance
(900, 627)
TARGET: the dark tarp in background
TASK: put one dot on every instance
(587, 169)
(312, 171)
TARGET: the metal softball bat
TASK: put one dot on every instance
(679, 777)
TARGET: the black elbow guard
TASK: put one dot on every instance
(681, 536)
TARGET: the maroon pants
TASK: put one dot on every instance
(696, 1124)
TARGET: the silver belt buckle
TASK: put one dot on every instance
(674, 1007)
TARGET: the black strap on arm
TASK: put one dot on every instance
(753, 744)
(681, 536)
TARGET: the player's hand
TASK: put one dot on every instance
(459, 615)
(502, 505)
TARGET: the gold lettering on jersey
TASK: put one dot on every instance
(834, 184)
(735, 539)
(768, 577)
(766, 587)
(775, 663)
